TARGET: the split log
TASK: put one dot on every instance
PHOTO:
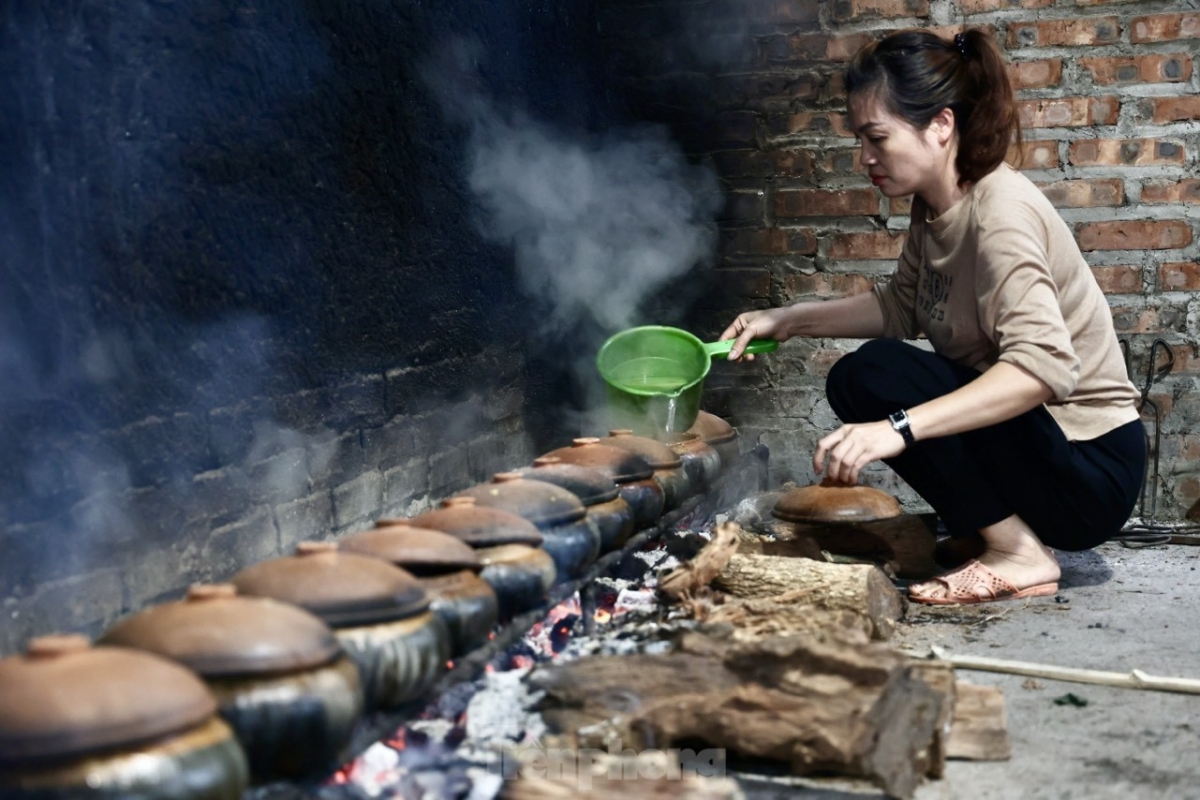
(818, 705)
(860, 588)
(939, 676)
(783, 615)
(802, 547)
(979, 730)
(563, 775)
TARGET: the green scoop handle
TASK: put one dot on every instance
(756, 346)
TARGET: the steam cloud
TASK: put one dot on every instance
(599, 224)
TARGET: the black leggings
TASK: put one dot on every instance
(1074, 495)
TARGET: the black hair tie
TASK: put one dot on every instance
(963, 46)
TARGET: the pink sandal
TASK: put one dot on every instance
(975, 583)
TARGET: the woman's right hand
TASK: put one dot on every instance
(766, 324)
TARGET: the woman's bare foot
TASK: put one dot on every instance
(1013, 551)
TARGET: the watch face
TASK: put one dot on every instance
(898, 417)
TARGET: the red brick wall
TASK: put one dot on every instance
(1111, 114)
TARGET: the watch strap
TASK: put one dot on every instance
(900, 424)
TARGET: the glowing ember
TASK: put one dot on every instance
(374, 771)
(550, 635)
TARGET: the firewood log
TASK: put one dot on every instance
(783, 615)
(860, 588)
(595, 775)
(818, 705)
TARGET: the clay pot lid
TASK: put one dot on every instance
(829, 502)
(421, 551)
(685, 442)
(217, 633)
(343, 589)
(512, 554)
(479, 526)
(656, 454)
(63, 698)
(591, 486)
(543, 504)
(619, 464)
(713, 429)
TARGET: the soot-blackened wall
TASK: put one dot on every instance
(243, 300)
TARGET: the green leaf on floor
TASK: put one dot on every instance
(1071, 699)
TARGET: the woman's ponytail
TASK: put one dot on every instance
(992, 124)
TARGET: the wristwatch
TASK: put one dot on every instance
(899, 420)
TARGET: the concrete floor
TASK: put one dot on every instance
(1124, 609)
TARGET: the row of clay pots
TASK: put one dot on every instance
(267, 677)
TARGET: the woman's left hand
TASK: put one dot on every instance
(852, 447)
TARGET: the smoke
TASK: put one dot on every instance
(596, 227)
(598, 224)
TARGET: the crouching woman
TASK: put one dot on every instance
(1020, 428)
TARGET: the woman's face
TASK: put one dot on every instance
(900, 159)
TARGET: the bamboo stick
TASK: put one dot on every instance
(1134, 679)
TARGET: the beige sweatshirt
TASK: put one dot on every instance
(999, 277)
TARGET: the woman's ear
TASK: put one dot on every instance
(943, 125)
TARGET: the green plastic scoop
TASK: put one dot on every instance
(654, 376)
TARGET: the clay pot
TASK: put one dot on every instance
(521, 576)
(570, 538)
(611, 514)
(835, 503)
(379, 613)
(447, 570)
(279, 675)
(667, 466)
(477, 525)
(633, 476)
(700, 461)
(83, 722)
(522, 582)
(718, 434)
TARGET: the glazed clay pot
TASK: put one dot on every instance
(447, 570)
(508, 546)
(521, 575)
(279, 675)
(633, 476)
(570, 538)
(90, 722)
(611, 514)
(827, 502)
(477, 525)
(379, 613)
(667, 466)
(700, 461)
(718, 434)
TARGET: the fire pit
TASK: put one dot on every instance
(462, 743)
